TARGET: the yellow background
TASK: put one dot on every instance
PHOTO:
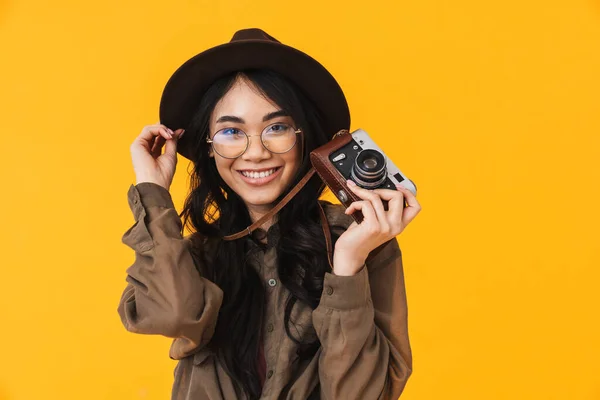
(492, 108)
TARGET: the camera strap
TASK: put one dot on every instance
(274, 210)
(279, 206)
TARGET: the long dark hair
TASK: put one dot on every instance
(213, 210)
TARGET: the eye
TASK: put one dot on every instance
(230, 134)
(278, 128)
(230, 131)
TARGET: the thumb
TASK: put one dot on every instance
(171, 147)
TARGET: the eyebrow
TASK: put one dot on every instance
(268, 117)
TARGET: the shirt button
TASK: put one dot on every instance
(272, 282)
(270, 328)
(270, 373)
(135, 201)
(329, 290)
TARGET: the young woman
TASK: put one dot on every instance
(264, 315)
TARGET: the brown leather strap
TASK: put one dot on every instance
(274, 210)
(327, 234)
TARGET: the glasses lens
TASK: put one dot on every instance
(279, 138)
(230, 142)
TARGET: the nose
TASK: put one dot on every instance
(256, 152)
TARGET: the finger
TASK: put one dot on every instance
(369, 216)
(411, 199)
(148, 140)
(413, 208)
(151, 131)
(395, 199)
(375, 200)
(171, 147)
(163, 130)
(360, 192)
(158, 145)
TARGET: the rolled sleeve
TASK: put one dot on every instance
(153, 195)
(165, 293)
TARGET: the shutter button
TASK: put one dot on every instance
(272, 282)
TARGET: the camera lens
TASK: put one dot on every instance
(369, 169)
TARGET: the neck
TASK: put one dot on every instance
(257, 212)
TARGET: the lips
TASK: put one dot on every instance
(259, 176)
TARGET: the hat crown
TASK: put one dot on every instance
(249, 48)
(253, 34)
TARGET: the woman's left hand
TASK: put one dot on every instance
(378, 226)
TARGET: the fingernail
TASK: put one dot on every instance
(350, 182)
(170, 131)
(182, 132)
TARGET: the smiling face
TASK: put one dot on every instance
(257, 176)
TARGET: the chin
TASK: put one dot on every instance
(266, 200)
(259, 196)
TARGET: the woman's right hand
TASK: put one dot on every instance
(148, 162)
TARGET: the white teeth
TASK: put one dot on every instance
(256, 175)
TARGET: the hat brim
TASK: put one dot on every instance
(187, 85)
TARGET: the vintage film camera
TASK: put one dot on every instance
(357, 157)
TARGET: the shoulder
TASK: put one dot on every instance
(335, 214)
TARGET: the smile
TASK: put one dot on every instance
(259, 177)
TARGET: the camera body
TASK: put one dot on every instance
(357, 157)
(363, 162)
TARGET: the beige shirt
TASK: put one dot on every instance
(361, 321)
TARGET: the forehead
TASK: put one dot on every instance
(244, 100)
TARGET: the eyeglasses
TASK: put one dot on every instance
(278, 138)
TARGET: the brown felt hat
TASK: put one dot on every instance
(249, 49)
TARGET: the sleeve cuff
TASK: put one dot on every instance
(148, 194)
(154, 195)
(346, 292)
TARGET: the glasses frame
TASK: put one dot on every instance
(296, 131)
